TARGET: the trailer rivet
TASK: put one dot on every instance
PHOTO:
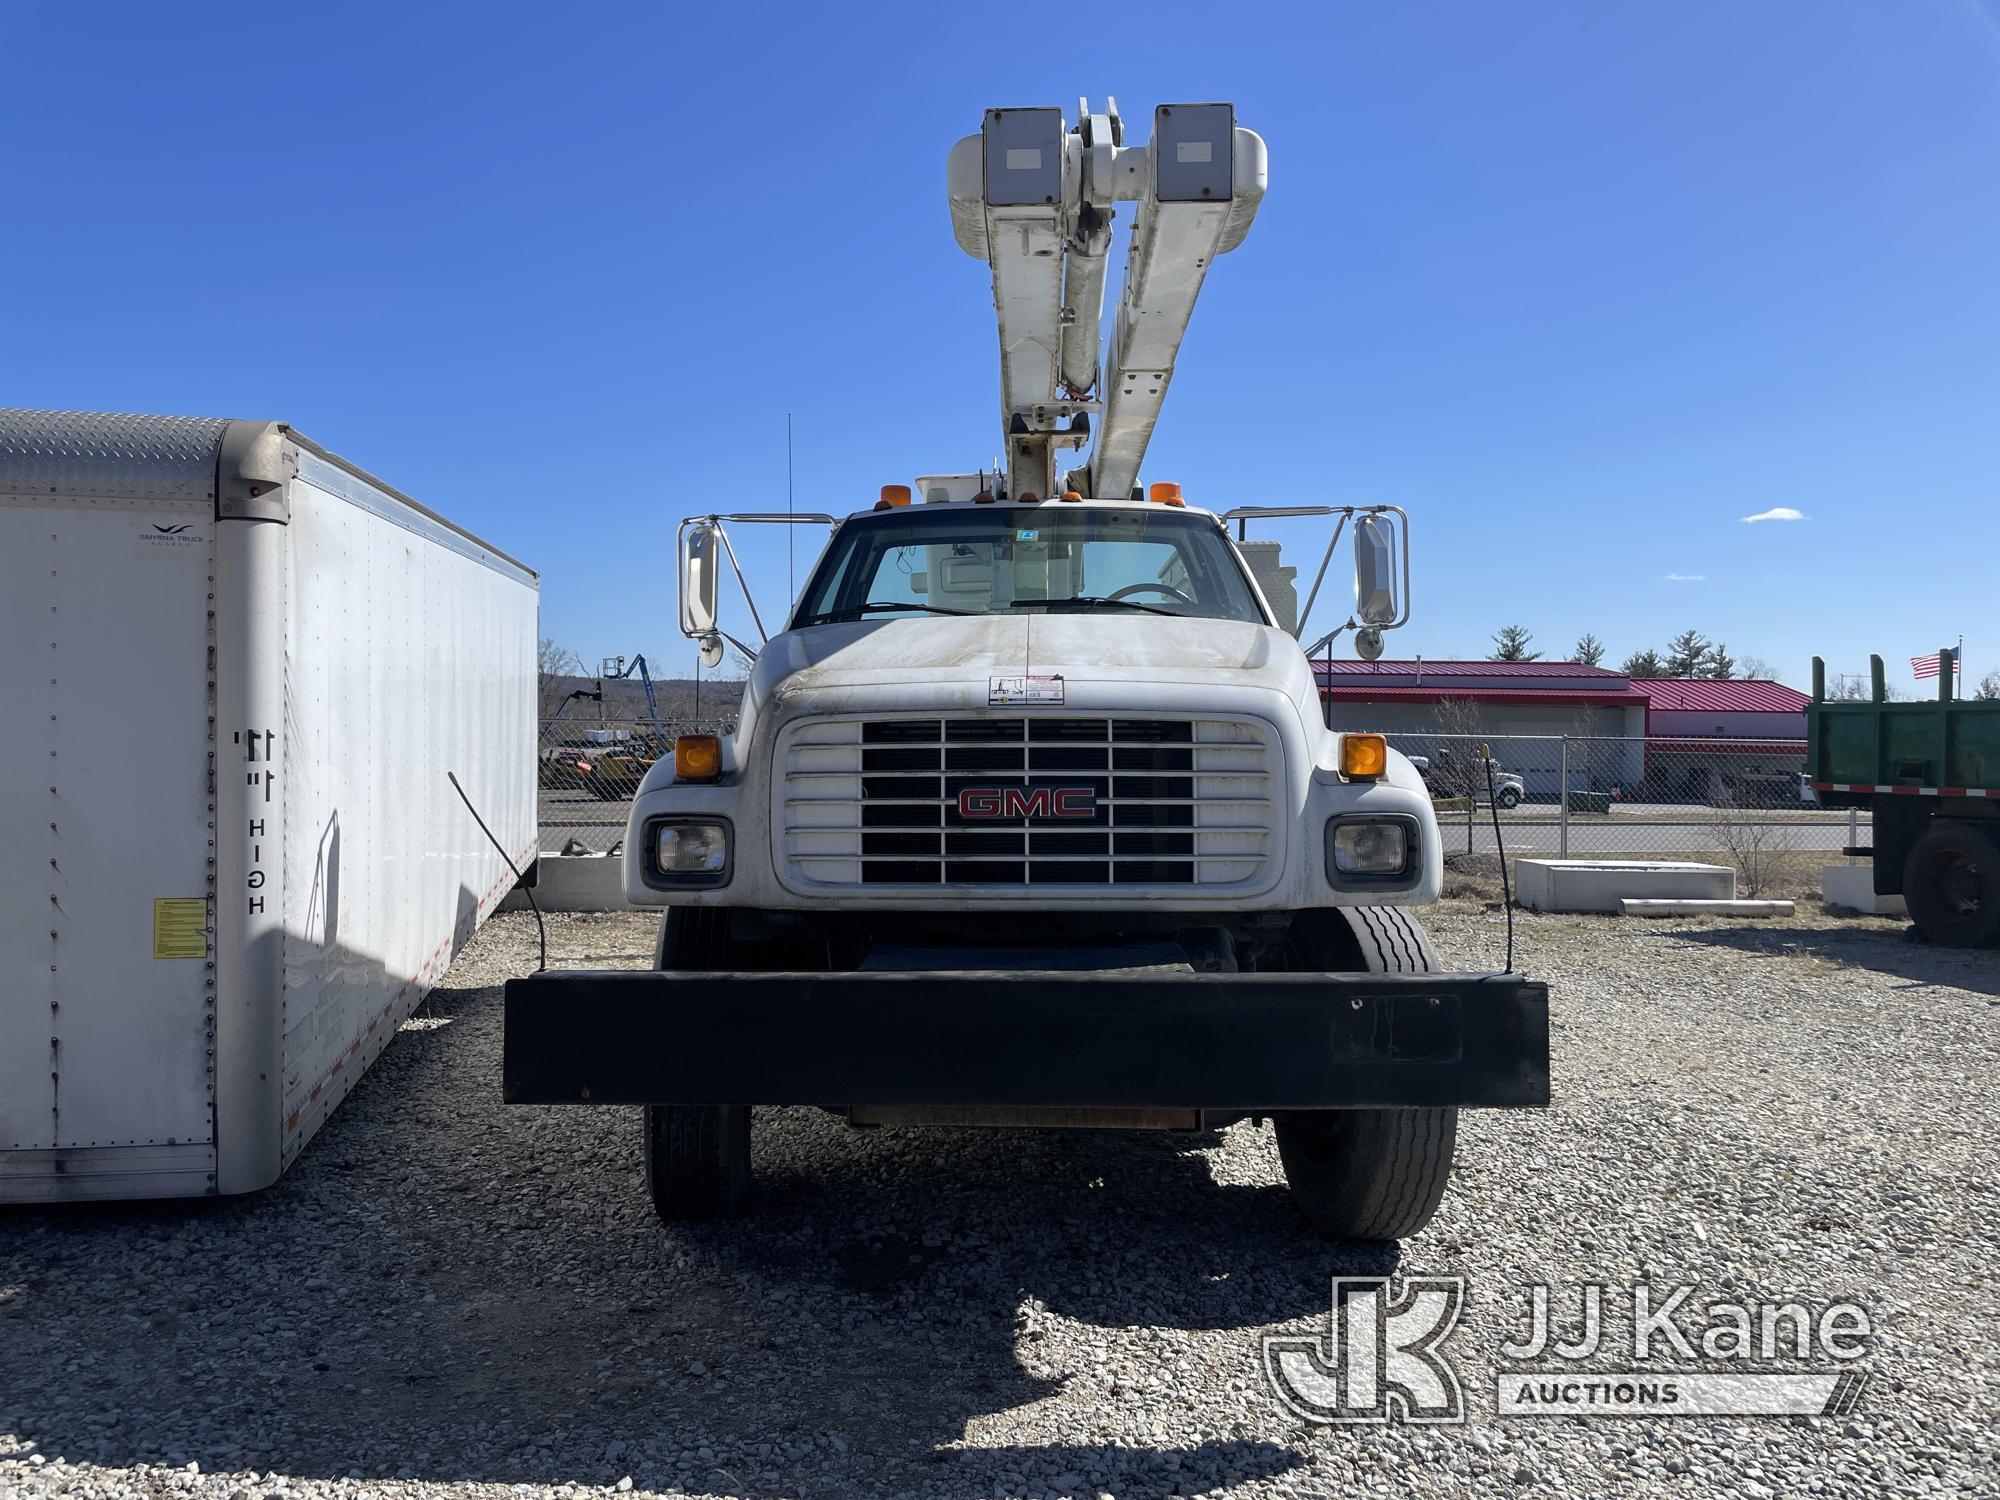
(1355, 1003)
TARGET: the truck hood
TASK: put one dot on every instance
(1097, 648)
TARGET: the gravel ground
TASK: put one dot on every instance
(445, 1295)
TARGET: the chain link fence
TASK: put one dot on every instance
(589, 769)
(1738, 802)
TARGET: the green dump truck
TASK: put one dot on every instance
(1929, 774)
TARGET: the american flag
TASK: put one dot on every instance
(1927, 666)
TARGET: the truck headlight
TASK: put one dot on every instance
(1372, 850)
(688, 851)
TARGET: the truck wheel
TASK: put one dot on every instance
(697, 1160)
(1951, 883)
(697, 1155)
(1367, 1174)
(1370, 1174)
(1509, 799)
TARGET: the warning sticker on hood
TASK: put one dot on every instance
(1004, 690)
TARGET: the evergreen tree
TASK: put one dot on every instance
(1645, 663)
(1589, 652)
(1511, 644)
(1686, 654)
(1718, 662)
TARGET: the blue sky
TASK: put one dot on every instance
(1579, 285)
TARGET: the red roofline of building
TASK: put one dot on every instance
(1411, 667)
(1723, 695)
(1618, 697)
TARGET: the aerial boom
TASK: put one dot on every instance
(1034, 199)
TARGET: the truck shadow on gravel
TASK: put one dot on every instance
(1877, 948)
(446, 1289)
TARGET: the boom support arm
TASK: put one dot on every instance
(1035, 201)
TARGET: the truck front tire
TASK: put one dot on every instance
(697, 1160)
(1369, 1174)
(697, 1155)
(1951, 884)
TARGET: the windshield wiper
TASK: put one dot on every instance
(1087, 601)
(874, 606)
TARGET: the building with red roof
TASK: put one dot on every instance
(1528, 707)
(1513, 697)
(1723, 708)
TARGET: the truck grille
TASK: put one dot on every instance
(1032, 801)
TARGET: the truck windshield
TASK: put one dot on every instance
(1006, 559)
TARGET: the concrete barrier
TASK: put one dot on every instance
(1600, 884)
(1640, 907)
(575, 882)
(1852, 888)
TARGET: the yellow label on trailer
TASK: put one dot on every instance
(180, 927)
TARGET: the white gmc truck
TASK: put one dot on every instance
(1033, 816)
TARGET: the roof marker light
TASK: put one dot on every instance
(1166, 492)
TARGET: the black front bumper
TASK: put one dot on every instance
(1220, 1042)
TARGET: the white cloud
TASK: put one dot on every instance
(1775, 513)
(1684, 577)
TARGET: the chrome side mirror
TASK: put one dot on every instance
(700, 570)
(1375, 570)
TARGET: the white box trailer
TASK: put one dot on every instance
(237, 670)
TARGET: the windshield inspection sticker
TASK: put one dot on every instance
(1002, 690)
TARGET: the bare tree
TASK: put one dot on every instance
(556, 664)
(1456, 768)
(1989, 688)
(1753, 838)
(1853, 687)
(1755, 669)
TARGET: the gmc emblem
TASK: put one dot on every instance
(1027, 802)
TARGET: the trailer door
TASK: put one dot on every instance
(106, 829)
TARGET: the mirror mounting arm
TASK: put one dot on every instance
(1245, 514)
(705, 632)
(763, 635)
(1320, 577)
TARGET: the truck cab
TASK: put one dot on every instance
(1032, 816)
(1002, 706)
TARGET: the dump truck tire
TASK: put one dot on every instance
(1372, 1174)
(1951, 884)
(697, 1155)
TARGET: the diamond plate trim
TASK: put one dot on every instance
(108, 453)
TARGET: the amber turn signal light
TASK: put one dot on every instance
(1363, 757)
(697, 757)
